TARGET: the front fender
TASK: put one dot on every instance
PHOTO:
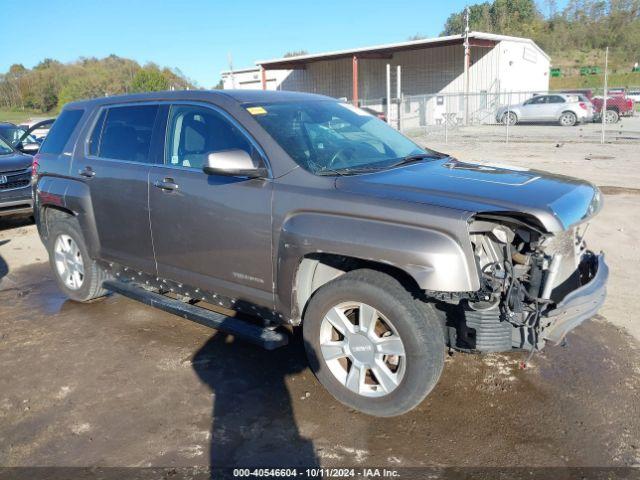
(434, 259)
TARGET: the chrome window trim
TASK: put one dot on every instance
(225, 115)
(94, 121)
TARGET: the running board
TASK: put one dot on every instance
(264, 337)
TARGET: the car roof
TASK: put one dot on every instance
(240, 96)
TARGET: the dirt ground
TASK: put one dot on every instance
(116, 383)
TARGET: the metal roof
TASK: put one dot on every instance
(477, 39)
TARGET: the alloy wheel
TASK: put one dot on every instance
(69, 263)
(568, 119)
(362, 349)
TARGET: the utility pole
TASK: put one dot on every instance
(467, 58)
(233, 78)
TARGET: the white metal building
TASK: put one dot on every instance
(251, 79)
(438, 69)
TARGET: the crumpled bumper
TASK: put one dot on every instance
(579, 305)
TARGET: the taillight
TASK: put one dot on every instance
(583, 105)
(35, 165)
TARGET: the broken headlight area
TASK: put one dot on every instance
(526, 277)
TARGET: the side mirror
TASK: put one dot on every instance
(233, 163)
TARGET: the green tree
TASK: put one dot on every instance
(149, 80)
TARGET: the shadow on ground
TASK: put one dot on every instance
(253, 422)
(15, 221)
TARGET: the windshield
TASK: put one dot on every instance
(327, 137)
(4, 148)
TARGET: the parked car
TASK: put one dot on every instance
(299, 210)
(617, 106)
(12, 134)
(565, 109)
(39, 128)
(15, 181)
(22, 138)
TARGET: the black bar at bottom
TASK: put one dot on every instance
(264, 337)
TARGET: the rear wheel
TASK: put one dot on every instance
(75, 272)
(568, 119)
(371, 345)
(611, 116)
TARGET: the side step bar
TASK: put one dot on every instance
(264, 337)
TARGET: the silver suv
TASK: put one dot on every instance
(299, 210)
(567, 110)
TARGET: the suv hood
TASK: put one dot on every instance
(15, 161)
(557, 201)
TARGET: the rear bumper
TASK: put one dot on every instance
(581, 304)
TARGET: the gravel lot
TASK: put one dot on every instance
(116, 383)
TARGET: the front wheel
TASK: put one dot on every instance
(509, 118)
(372, 345)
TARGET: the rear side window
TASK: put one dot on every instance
(61, 131)
(124, 133)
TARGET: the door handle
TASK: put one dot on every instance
(87, 172)
(167, 184)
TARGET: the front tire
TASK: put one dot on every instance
(509, 118)
(371, 344)
(76, 273)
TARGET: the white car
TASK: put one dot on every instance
(566, 109)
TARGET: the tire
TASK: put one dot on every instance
(611, 116)
(66, 230)
(568, 119)
(416, 325)
(509, 117)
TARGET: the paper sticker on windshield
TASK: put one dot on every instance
(256, 110)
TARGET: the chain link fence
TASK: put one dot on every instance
(460, 117)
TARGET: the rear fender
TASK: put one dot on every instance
(71, 196)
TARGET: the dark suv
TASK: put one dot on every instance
(297, 209)
(15, 181)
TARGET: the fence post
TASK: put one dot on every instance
(603, 112)
(388, 94)
(446, 119)
(508, 116)
(399, 95)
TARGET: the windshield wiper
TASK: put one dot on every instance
(416, 157)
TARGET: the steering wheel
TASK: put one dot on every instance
(340, 154)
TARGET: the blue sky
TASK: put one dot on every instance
(197, 36)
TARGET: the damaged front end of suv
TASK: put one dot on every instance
(536, 286)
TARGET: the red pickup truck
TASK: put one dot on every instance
(618, 104)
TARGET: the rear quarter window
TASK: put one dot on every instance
(61, 131)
